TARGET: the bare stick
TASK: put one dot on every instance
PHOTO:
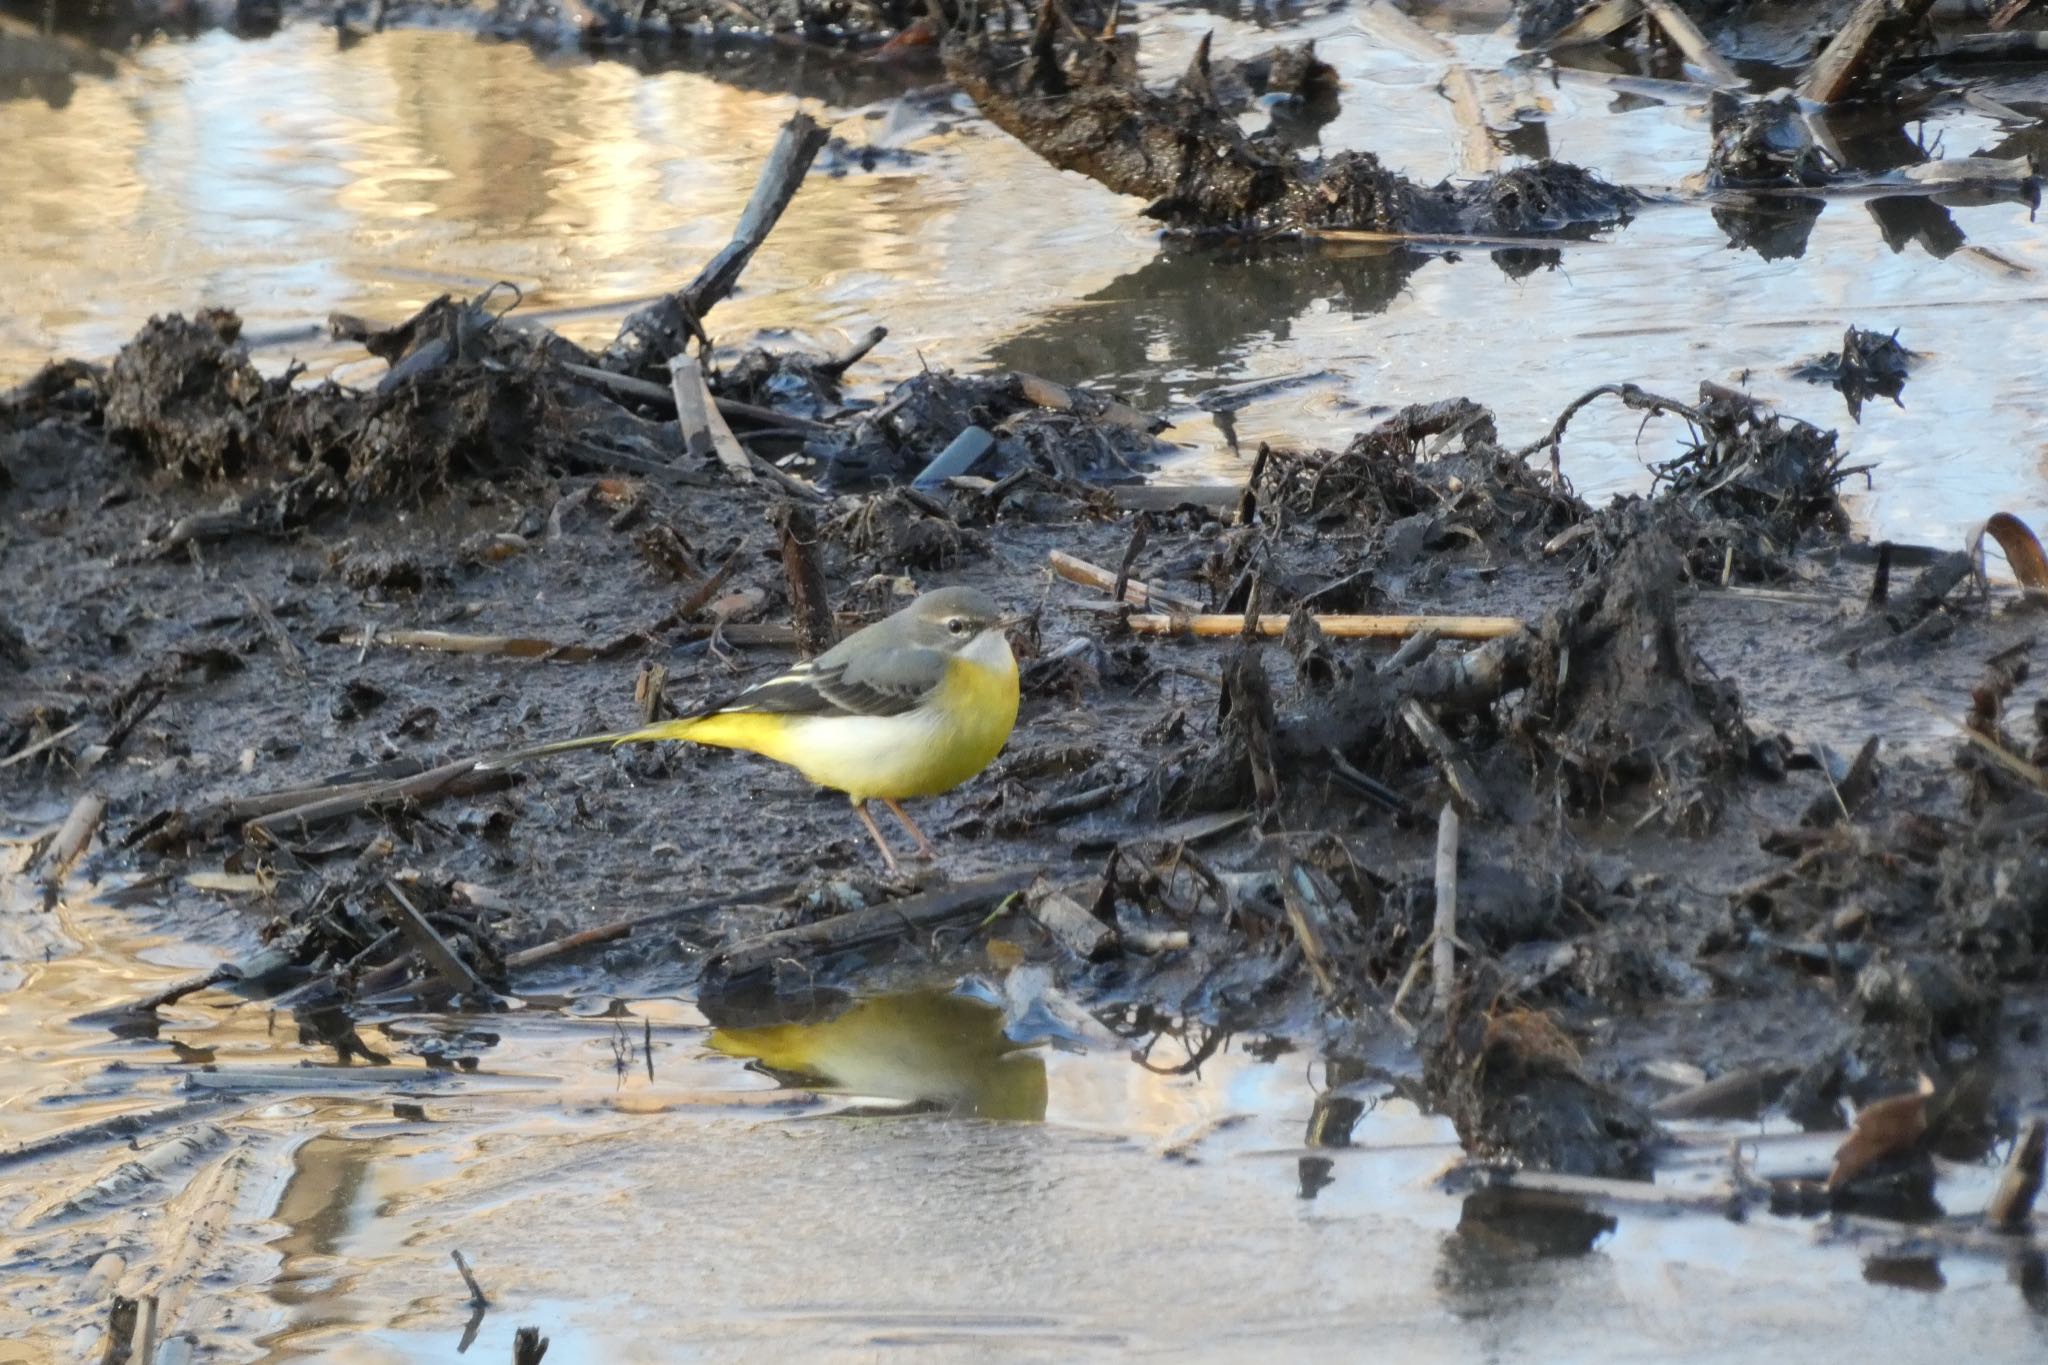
(1059, 398)
(1686, 36)
(477, 1298)
(810, 601)
(846, 360)
(529, 1347)
(28, 751)
(661, 329)
(1336, 627)
(445, 961)
(461, 778)
(623, 928)
(704, 431)
(1464, 782)
(1137, 593)
(877, 923)
(1444, 962)
(1873, 25)
(2013, 1202)
(448, 642)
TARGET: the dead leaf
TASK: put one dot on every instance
(2022, 549)
(1890, 1127)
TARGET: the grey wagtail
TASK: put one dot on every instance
(913, 705)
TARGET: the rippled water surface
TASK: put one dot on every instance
(287, 178)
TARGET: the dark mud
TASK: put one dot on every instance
(1077, 101)
(274, 626)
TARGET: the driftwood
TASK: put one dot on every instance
(659, 331)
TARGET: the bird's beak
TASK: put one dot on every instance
(1014, 620)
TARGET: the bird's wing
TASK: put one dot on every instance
(884, 683)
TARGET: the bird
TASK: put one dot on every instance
(911, 706)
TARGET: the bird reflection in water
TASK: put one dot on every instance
(935, 1051)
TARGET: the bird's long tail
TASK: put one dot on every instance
(649, 734)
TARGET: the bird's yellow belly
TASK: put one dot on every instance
(933, 748)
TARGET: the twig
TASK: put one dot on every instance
(287, 652)
(875, 924)
(529, 1347)
(810, 601)
(460, 778)
(1464, 783)
(847, 359)
(477, 1298)
(704, 430)
(663, 397)
(2013, 1203)
(445, 961)
(663, 328)
(623, 928)
(512, 646)
(1136, 592)
(1336, 627)
(1059, 398)
(1629, 394)
(28, 751)
(1444, 963)
(1686, 36)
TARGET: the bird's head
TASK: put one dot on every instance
(953, 619)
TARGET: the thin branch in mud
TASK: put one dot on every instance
(874, 924)
(704, 429)
(427, 940)
(1444, 957)
(49, 741)
(511, 646)
(529, 1347)
(288, 653)
(1211, 627)
(1137, 593)
(623, 928)
(1464, 783)
(2012, 1204)
(460, 778)
(477, 1297)
(662, 329)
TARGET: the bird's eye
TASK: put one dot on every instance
(958, 625)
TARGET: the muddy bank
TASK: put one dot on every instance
(273, 628)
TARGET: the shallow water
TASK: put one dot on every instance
(622, 1175)
(287, 179)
